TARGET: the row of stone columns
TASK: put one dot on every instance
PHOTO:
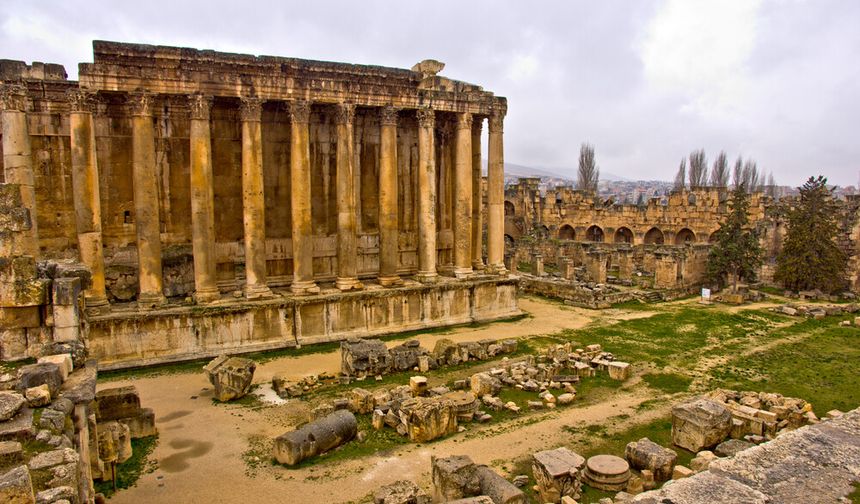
(467, 201)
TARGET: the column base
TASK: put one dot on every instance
(463, 273)
(446, 270)
(257, 291)
(427, 277)
(94, 301)
(390, 281)
(347, 284)
(497, 269)
(304, 287)
(202, 296)
(150, 300)
(478, 265)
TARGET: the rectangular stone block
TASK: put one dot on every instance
(63, 361)
(20, 317)
(66, 291)
(117, 403)
(13, 344)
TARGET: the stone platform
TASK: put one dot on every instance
(128, 337)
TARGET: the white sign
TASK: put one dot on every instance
(706, 294)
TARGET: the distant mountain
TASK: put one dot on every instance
(518, 170)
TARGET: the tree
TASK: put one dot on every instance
(771, 186)
(698, 169)
(720, 171)
(737, 173)
(736, 253)
(681, 175)
(588, 173)
(750, 176)
(810, 258)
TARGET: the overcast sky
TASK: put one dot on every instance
(645, 81)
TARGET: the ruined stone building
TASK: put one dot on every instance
(662, 244)
(242, 187)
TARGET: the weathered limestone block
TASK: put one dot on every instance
(454, 478)
(465, 404)
(472, 350)
(497, 488)
(117, 402)
(53, 458)
(646, 454)
(38, 396)
(702, 460)
(731, 447)
(400, 492)
(481, 499)
(142, 424)
(619, 370)
(46, 373)
(16, 487)
(315, 438)
(360, 401)
(231, 376)
(558, 473)
(361, 357)
(80, 387)
(446, 352)
(406, 356)
(286, 388)
(11, 452)
(485, 384)
(704, 488)
(680, 472)
(700, 423)
(121, 438)
(53, 420)
(19, 285)
(428, 418)
(418, 385)
(10, 404)
(57, 495)
(19, 427)
(64, 361)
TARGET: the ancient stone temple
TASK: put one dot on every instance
(225, 201)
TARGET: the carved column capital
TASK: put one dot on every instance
(388, 116)
(426, 117)
(251, 109)
(13, 97)
(496, 122)
(300, 111)
(464, 121)
(200, 106)
(141, 103)
(477, 124)
(345, 113)
(81, 100)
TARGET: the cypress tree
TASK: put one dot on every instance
(736, 253)
(810, 258)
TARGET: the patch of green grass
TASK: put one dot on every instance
(634, 305)
(672, 337)
(132, 469)
(855, 495)
(821, 367)
(669, 383)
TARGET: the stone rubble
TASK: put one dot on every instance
(231, 376)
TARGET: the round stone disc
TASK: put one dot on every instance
(607, 465)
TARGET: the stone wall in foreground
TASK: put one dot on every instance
(817, 463)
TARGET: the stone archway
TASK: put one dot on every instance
(623, 235)
(594, 234)
(713, 237)
(566, 232)
(654, 237)
(685, 237)
(510, 210)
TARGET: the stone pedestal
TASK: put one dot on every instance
(67, 317)
(567, 268)
(347, 249)
(537, 261)
(607, 472)
(666, 271)
(426, 196)
(202, 201)
(300, 200)
(463, 197)
(595, 265)
(625, 264)
(253, 203)
(146, 219)
(496, 196)
(85, 184)
(388, 228)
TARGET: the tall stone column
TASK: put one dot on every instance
(85, 188)
(17, 157)
(426, 196)
(147, 220)
(477, 196)
(300, 200)
(463, 197)
(496, 196)
(253, 204)
(388, 232)
(347, 249)
(202, 201)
